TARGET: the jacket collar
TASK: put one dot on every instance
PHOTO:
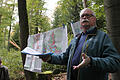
(91, 31)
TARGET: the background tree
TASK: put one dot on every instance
(24, 32)
(67, 12)
(6, 13)
(11, 6)
(36, 16)
(112, 10)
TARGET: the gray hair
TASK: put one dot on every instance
(81, 12)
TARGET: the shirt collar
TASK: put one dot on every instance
(90, 30)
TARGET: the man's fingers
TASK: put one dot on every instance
(86, 61)
(82, 64)
(75, 67)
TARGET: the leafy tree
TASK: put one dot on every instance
(98, 7)
(10, 25)
(36, 16)
(57, 22)
(67, 11)
(6, 13)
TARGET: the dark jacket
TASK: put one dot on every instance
(4, 73)
(99, 47)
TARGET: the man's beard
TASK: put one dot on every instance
(86, 26)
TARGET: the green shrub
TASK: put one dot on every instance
(13, 61)
(52, 67)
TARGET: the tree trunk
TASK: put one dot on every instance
(112, 10)
(1, 2)
(0, 18)
(9, 38)
(11, 17)
(24, 32)
(9, 35)
(84, 3)
(4, 37)
(36, 30)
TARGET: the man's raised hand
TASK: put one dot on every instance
(86, 60)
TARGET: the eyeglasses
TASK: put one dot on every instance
(87, 15)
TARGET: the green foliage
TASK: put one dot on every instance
(52, 67)
(98, 7)
(13, 61)
(36, 16)
(6, 12)
(67, 12)
(1, 37)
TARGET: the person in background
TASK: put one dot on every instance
(3, 72)
(90, 55)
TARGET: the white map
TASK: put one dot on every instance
(55, 41)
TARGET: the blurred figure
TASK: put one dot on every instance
(3, 72)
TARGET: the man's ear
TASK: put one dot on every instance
(93, 20)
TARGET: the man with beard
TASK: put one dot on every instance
(90, 55)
